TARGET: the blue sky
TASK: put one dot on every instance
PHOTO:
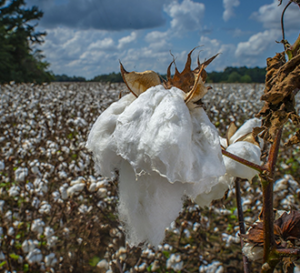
(89, 37)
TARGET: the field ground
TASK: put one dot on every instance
(58, 215)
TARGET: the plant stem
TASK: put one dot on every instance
(288, 252)
(282, 23)
(268, 214)
(296, 46)
(245, 162)
(241, 221)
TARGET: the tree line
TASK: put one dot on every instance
(229, 75)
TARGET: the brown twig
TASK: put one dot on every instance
(241, 221)
(288, 252)
(282, 16)
(245, 162)
(268, 214)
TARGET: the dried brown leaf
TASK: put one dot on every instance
(230, 131)
(290, 225)
(282, 80)
(294, 139)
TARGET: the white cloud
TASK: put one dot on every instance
(102, 44)
(156, 36)
(228, 8)
(213, 46)
(186, 16)
(127, 40)
(269, 16)
(252, 50)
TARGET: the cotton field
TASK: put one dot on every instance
(57, 214)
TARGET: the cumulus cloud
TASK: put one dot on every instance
(228, 8)
(213, 46)
(269, 15)
(256, 46)
(103, 15)
(186, 16)
(127, 40)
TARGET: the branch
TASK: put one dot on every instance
(241, 221)
(282, 23)
(288, 252)
(243, 161)
(268, 214)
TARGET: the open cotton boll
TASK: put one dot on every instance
(101, 139)
(246, 151)
(216, 192)
(163, 151)
(157, 132)
(148, 204)
(245, 129)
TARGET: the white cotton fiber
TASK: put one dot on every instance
(147, 205)
(245, 129)
(101, 138)
(158, 132)
(163, 151)
(246, 151)
(216, 192)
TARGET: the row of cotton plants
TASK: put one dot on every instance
(58, 214)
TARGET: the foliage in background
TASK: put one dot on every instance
(65, 78)
(20, 61)
(229, 75)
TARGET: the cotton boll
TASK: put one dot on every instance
(163, 151)
(158, 127)
(147, 205)
(253, 252)
(246, 151)
(101, 139)
(245, 129)
(217, 192)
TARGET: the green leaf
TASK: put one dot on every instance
(94, 261)
(166, 254)
(14, 256)
(26, 267)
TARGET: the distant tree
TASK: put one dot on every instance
(112, 77)
(234, 77)
(246, 79)
(19, 61)
(65, 78)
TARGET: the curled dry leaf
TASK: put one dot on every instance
(286, 228)
(282, 83)
(289, 224)
(189, 81)
(294, 139)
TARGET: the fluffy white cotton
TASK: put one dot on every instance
(246, 151)
(157, 132)
(243, 149)
(245, 129)
(147, 205)
(163, 151)
(101, 139)
(217, 192)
